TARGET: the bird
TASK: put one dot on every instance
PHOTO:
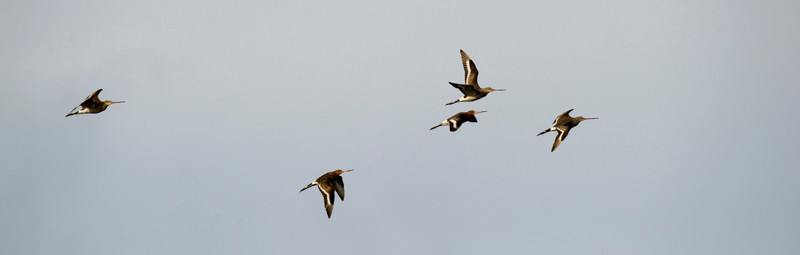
(562, 125)
(471, 90)
(458, 119)
(92, 104)
(329, 183)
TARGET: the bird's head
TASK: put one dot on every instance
(109, 102)
(340, 171)
(490, 89)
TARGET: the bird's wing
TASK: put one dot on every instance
(470, 71)
(92, 100)
(338, 185)
(565, 114)
(558, 139)
(94, 97)
(467, 90)
(563, 132)
(454, 124)
(327, 195)
(472, 118)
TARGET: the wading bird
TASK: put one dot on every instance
(471, 90)
(92, 104)
(458, 119)
(562, 125)
(328, 184)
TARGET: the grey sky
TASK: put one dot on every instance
(234, 106)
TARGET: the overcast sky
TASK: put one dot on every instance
(233, 106)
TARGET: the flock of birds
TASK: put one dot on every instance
(331, 183)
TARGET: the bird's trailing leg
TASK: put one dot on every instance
(547, 130)
(444, 123)
(458, 100)
(309, 186)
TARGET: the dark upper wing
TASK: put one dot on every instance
(467, 90)
(454, 124)
(563, 132)
(92, 100)
(559, 138)
(565, 114)
(94, 97)
(327, 196)
(470, 71)
(338, 185)
(472, 118)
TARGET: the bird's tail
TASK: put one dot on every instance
(547, 130)
(309, 186)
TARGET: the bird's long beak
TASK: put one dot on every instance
(498, 89)
(480, 112)
(117, 102)
(590, 118)
(345, 171)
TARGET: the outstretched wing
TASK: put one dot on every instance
(562, 134)
(338, 185)
(454, 124)
(565, 114)
(92, 100)
(470, 71)
(467, 90)
(327, 195)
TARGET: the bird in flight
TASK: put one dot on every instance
(471, 90)
(458, 119)
(328, 184)
(92, 104)
(562, 125)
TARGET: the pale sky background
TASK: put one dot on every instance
(233, 106)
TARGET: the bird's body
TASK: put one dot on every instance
(458, 119)
(470, 89)
(562, 125)
(92, 104)
(328, 184)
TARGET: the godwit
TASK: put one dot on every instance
(562, 125)
(471, 89)
(329, 183)
(92, 104)
(458, 119)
